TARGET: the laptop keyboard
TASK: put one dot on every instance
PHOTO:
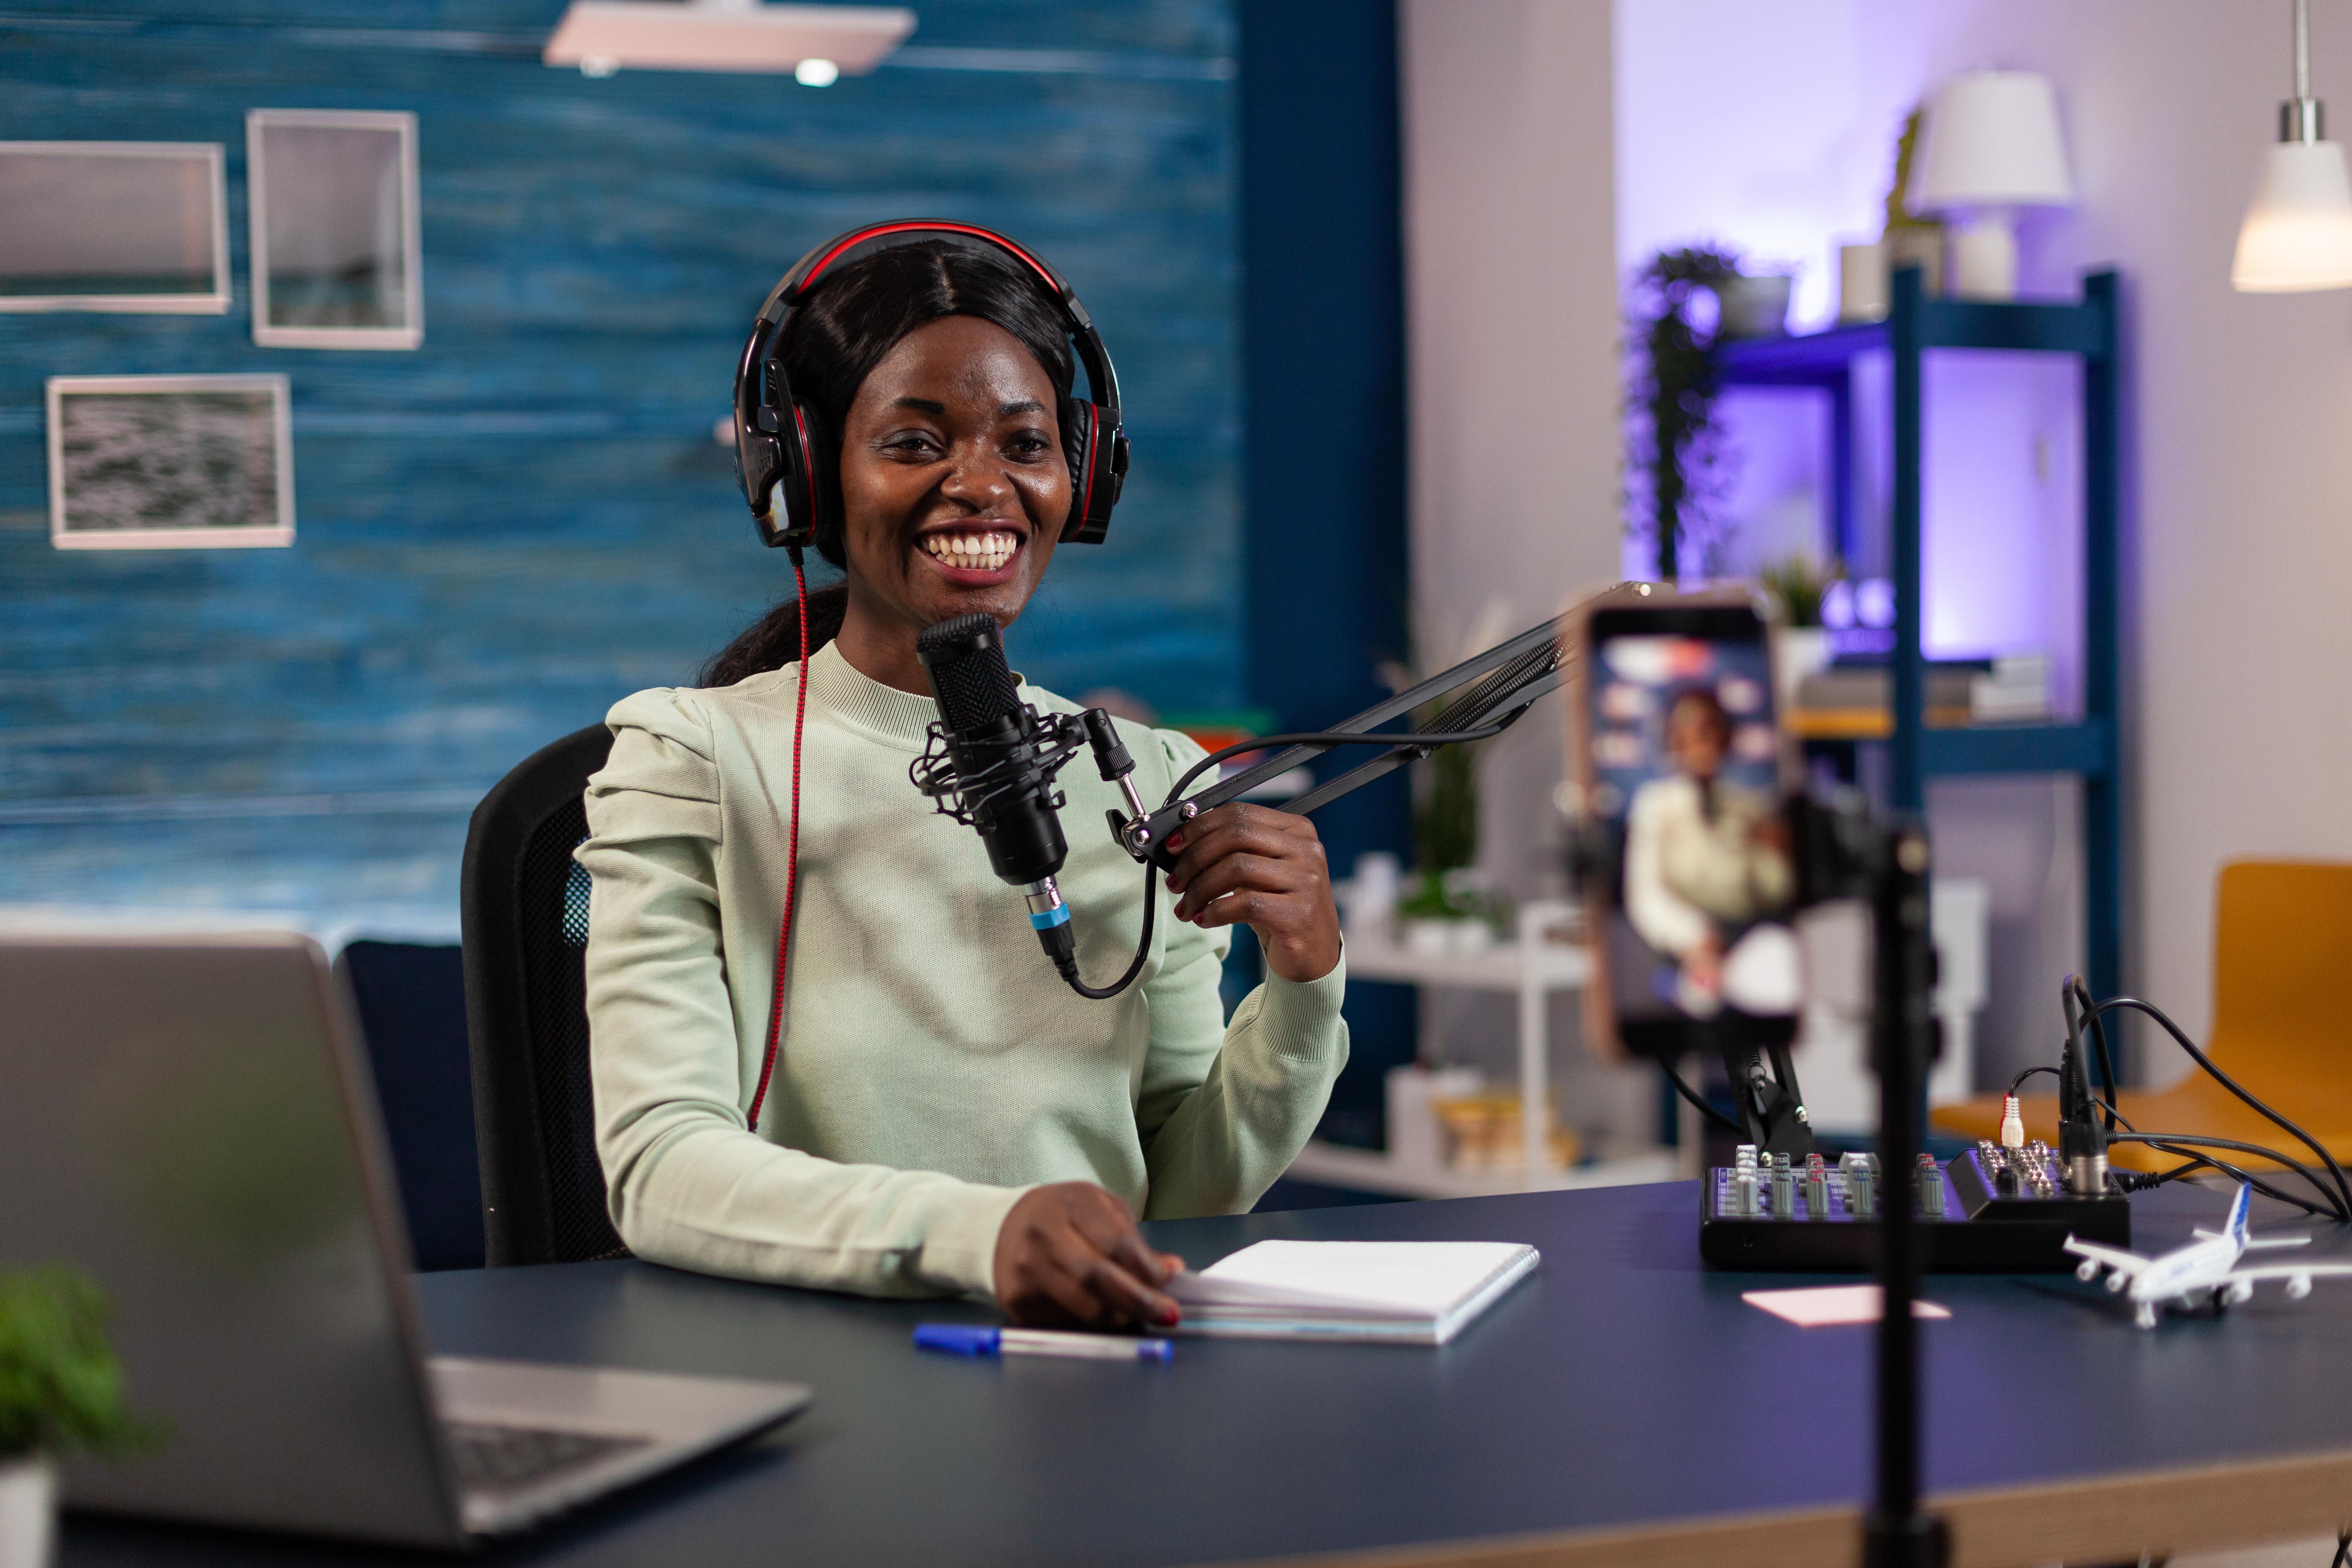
(505, 1458)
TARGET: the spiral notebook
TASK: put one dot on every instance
(1394, 1292)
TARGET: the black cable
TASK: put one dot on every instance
(1142, 947)
(2114, 1116)
(2343, 1550)
(1709, 1111)
(2099, 1039)
(2142, 1181)
(2342, 1186)
(2028, 1073)
(1404, 739)
(2172, 1143)
(2191, 1143)
(2199, 1162)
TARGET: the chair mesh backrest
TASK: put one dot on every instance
(553, 889)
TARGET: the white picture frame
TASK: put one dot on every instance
(216, 453)
(337, 254)
(105, 217)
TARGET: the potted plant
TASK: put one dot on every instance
(1445, 846)
(1670, 437)
(1443, 909)
(60, 1393)
(1796, 583)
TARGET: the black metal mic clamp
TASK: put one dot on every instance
(1048, 742)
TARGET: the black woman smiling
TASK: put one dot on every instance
(921, 1106)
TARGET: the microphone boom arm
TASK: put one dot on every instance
(1510, 677)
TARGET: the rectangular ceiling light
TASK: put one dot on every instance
(813, 42)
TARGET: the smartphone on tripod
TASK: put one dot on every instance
(1680, 781)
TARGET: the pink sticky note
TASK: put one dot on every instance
(1823, 1305)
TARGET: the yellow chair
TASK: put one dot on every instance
(2282, 1027)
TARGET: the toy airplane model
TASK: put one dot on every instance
(2208, 1266)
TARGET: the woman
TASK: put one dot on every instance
(1706, 860)
(944, 1115)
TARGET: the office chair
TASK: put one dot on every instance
(2282, 938)
(523, 902)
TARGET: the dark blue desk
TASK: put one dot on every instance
(1623, 1399)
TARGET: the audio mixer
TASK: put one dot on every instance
(1993, 1210)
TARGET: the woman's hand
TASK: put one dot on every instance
(1069, 1254)
(1264, 868)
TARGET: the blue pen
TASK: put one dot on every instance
(972, 1338)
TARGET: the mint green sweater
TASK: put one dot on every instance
(932, 1065)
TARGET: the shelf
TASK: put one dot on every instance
(1861, 723)
(1809, 360)
(1962, 748)
(1502, 967)
(1370, 1171)
(1918, 748)
(2083, 748)
(1822, 359)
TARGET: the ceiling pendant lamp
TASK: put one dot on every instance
(2297, 236)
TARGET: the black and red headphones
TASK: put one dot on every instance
(776, 456)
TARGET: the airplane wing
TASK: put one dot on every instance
(2288, 1271)
(2254, 1241)
(2114, 1258)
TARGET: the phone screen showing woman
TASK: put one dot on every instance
(1686, 782)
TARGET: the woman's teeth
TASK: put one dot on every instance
(972, 551)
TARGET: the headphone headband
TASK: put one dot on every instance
(774, 462)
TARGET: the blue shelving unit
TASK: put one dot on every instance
(2087, 747)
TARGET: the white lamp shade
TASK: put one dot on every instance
(1992, 140)
(2298, 234)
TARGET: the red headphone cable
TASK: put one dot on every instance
(792, 852)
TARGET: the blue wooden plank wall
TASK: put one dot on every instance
(505, 530)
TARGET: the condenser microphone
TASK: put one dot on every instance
(999, 759)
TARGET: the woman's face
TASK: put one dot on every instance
(953, 485)
(1696, 739)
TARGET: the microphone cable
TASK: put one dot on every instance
(791, 850)
(1142, 947)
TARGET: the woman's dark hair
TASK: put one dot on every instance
(832, 344)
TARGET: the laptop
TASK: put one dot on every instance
(189, 1120)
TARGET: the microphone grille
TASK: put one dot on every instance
(965, 659)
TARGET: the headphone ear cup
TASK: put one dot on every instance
(758, 464)
(1097, 451)
(797, 491)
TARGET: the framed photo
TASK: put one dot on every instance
(170, 462)
(114, 225)
(338, 253)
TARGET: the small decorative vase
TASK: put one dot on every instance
(1428, 937)
(1862, 284)
(1797, 652)
(1755, 307)
(28, 1511)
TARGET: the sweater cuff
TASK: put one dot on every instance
(1298, 1019)
(960, 1246)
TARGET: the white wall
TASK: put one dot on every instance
(1512, 340)
(1751, 122)
(1512, 346)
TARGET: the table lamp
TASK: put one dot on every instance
(2298, 234)
(1992, 146)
